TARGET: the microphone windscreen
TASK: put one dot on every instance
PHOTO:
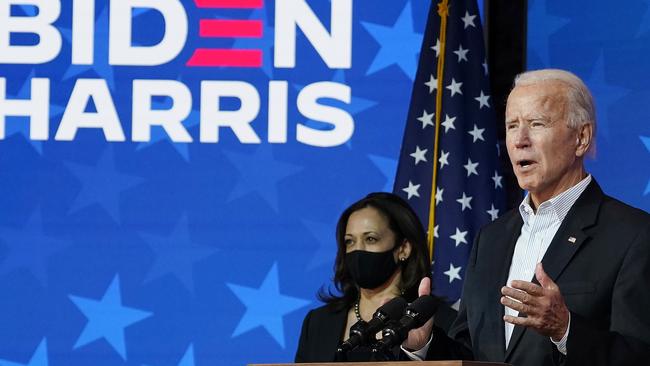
(424, 307)
(394, 308)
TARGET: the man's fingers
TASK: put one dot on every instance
(425, 287)
(515, 305)
(528, 287)
(518, 320)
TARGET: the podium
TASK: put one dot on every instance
(390, 363)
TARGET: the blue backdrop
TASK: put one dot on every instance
(118, 248)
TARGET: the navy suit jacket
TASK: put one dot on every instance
(599, 258)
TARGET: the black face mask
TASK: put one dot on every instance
(370, 269)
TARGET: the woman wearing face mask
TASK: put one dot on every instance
(382, 253)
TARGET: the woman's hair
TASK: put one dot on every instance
(403, 221)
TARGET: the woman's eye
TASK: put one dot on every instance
(370, 239)
(348, 242)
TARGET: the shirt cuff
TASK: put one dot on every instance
(421, 354)
(561, 344)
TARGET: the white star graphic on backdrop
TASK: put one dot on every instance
(493, 212)
(449, 123)
(453, 273)
(461, 53)
(485, 67)
(426, 119)
(482, 100)
(432, 84)
(477, 133)
(470, 167)
(437, 47)
(454, 87)
(497, 180)
(468, 20)
(439, 192)
(459, 237)
(412, 190)
(465, 202)
(418, 155)
(443, 159)
(435, 231)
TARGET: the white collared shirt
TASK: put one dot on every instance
(536, 235)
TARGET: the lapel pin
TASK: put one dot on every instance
(572, 240)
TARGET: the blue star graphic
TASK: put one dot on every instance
(646, 142)
(100, 61)
(159, 134)
(398, 44)
(188, 357)
(387, 167)
(266, 43)
(39, 358)
(30, 248)
(605, 93)
(107, 318)
(101, 184)
(541, 26)
(260, 172)
(21, 125)
(265, 306)
(326, 244)
(176, 254)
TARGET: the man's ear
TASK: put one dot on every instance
(584, 139)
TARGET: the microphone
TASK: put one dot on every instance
(362, 332)
(415, 315)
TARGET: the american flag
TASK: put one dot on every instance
(451, 95)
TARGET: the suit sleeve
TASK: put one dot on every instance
(627, 341)
(302, 353)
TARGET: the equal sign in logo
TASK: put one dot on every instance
(218, 28)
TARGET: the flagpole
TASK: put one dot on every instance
(443, 12)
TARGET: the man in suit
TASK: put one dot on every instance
(565, 277)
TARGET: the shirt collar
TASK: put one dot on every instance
(558, 205)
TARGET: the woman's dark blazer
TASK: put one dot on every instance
(323, 329)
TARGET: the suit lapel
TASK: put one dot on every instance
(566, 242)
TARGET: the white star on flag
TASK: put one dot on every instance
(435, 231)
(412, 190)
(461, 53)
(459, 237)
(482, 100)
(497, 180)
(470, 167)
(468, 20)
(426, 119)
(454, 87)
(453, 272)
(493, 212)
(432, 84)
(443, 159)
(449, 123)
(465, 202)
(418, 155)
(437, 47)
(477, 133)
(439, 192)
